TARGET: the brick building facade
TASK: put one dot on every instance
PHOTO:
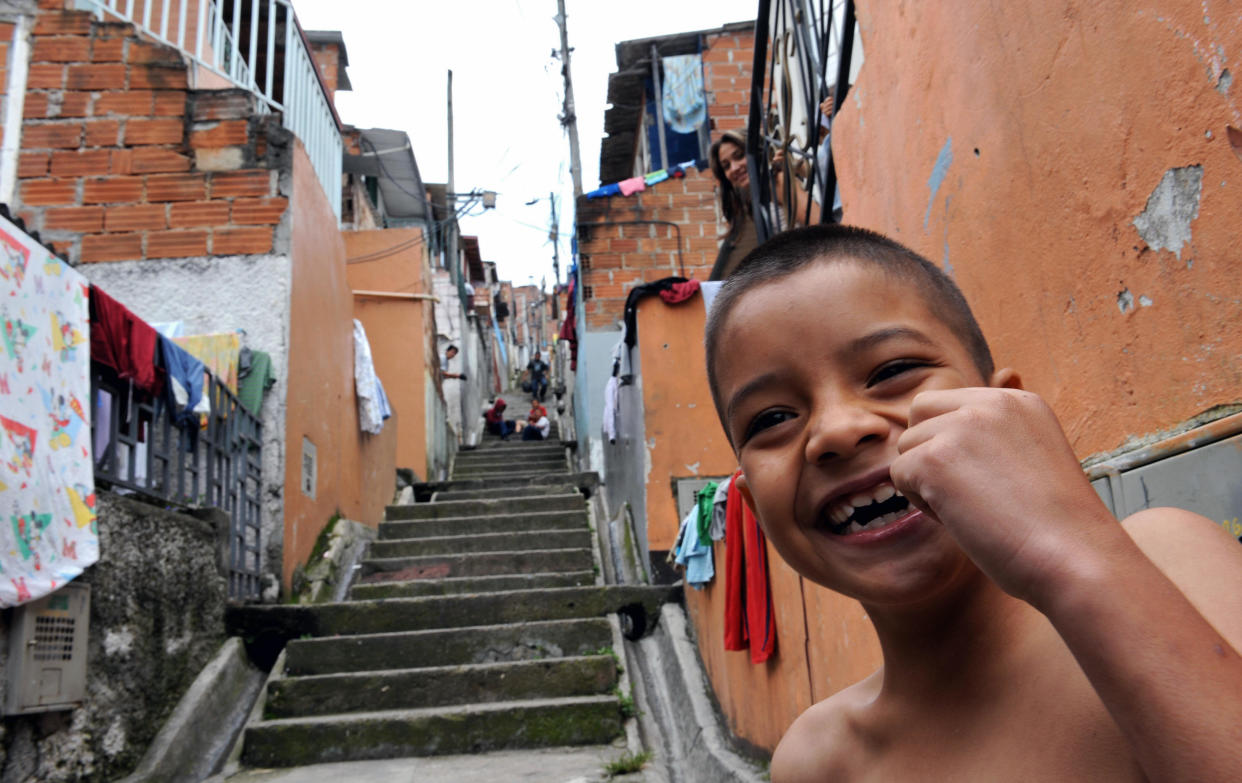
(674, 227)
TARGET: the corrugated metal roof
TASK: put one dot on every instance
(388, 155)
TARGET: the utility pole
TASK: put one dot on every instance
(449, 198)
(556, 257)
(568, 116)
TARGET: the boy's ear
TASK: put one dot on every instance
(744, 489)
(1006, 378)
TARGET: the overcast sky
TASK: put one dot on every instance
(507, 95)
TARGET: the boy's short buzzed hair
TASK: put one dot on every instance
(793, 250)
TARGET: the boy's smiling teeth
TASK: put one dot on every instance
(869, 510)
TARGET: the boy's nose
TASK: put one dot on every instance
(842, 430)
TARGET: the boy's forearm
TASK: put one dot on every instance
(1170, 681)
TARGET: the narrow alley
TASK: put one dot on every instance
(493, 586)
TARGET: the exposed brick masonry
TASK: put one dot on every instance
(120, 160)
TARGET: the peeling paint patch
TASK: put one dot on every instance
(943, 161)
(1224, 82)
(948, 267)
(693, 467)
(1165, 223)
(1125, 301)
(1145, 301)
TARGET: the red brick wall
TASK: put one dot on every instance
(615, 258)
(121, 161)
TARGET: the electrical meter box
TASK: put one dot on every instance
(47, 652)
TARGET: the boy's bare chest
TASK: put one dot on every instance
(1023, 736)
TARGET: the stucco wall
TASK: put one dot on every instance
(1018, 146)
(223, 294)
(156, 618)
(396, 328)
(356, 471)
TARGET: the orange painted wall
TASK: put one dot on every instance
(824, 641)
(355, 470)
(396, 328)
(1062, 117)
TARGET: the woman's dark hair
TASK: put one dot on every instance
(732, 202)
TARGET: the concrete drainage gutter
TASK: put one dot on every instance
(206, 721)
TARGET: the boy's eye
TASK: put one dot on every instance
(766, 420)
(894, 369)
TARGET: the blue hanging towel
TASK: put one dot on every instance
(185, 383)
(606, 190)
(685, 108)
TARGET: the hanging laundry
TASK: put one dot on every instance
(685, 107)
(122, 341)
(604, 191)
(569, 327)
(719, 504)
(655, 177)
(49, 533)
(219, 352)
(680, 292)
(631, 186)
(185, 384)
(694, 553)
(254, 378)
(612, 398)
(635, 296)
(749, 622)
(690, 164)
(703, 500)
(371, 411)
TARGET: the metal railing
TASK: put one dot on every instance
(805, 52)
(138, 447)
(257, 45)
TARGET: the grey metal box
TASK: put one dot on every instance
(47, 652)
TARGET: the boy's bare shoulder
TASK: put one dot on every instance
(1198, 556)
(818, 747)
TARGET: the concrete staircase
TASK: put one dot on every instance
(478, 623)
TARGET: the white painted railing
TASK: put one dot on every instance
(262, 51)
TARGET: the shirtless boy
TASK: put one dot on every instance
(1026, 635)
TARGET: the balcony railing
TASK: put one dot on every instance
(257, 45)
(139, 448)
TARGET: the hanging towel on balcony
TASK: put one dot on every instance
(373, 406)
(219, 352)
(685, 108)
(124, 342)
(254, 378)
(185, 384)
(631, 186)
(47, 480)
(749, 621)
(606, 190)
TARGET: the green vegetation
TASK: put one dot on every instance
(625, 702)
(629, 762)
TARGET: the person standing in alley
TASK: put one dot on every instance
(538, 371)
(448, 365)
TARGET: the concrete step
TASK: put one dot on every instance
(473, 728)
(498, 445)
(445, 611)
(521, 475)
(448, 647)
(475, 584)
(509, 541)
(450, 526)
(503, 460)
(586, 483)
(479, 508)
(503, 492)
(520, 469)
(478, 564)
(441, 686)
